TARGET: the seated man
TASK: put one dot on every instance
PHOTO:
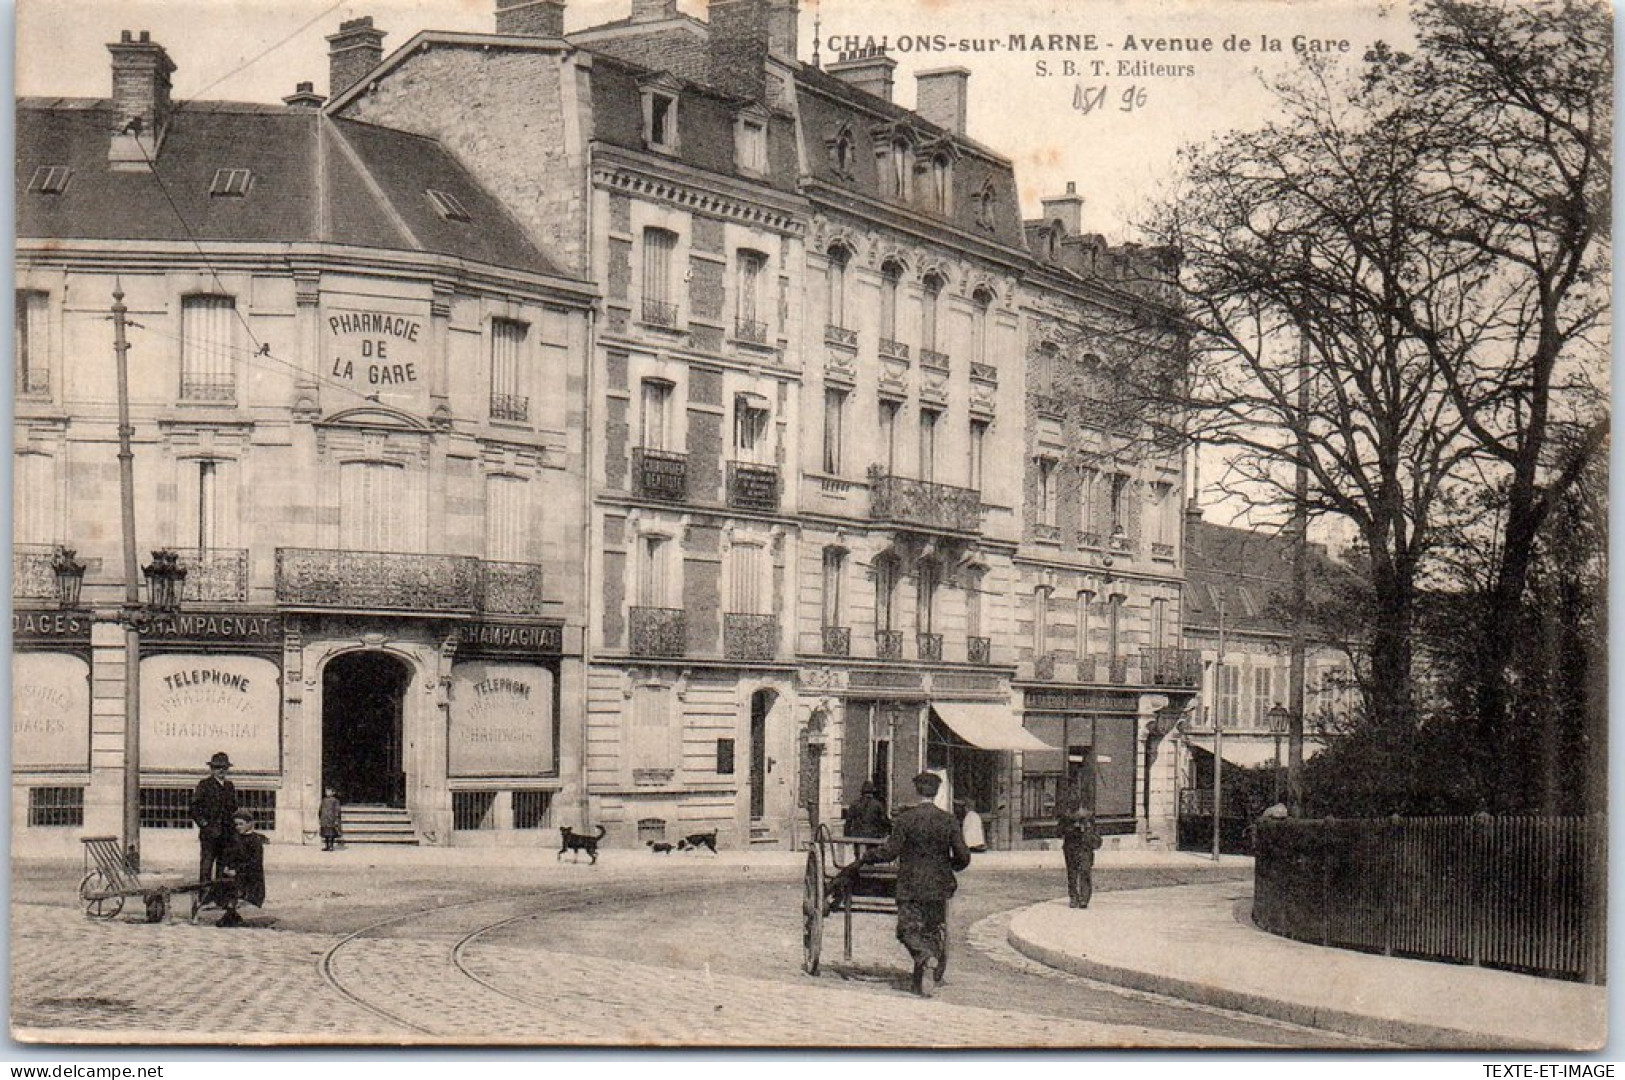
(242, 870)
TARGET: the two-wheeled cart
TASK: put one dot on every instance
(835, 884)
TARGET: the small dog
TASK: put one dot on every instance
(575, 843)
(695, 841)
(660, 848)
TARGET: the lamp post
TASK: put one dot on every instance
(69, 573)
(1278, 718)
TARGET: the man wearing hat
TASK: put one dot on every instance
(929, 849)
(214, 801)
(867, 816)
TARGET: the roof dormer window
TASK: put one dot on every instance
(750, 143)
(660, 113)
(50, 180)
(231, 183)
(983, 202)
(448, 206)
(842, 152)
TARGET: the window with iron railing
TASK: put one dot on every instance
(532, 809)
(508, 402)
(659, 252)
(170, 807)
(208, 361)
(56, 807)
(472, 810)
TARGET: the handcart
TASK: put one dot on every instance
(109, 879)
(835, 884)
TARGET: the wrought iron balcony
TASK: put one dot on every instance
(929, 646)
(753, 487)
(840, 335)
(899, 500)
(978, 650)
(1040, 530)
(1162, 551)
(659, 631)
(750, 637)
(837, 641)
(1089, 669)
(932, 359)
(209, 387)
(511, 588)
(750, 331)
(893, 350)
(32, 574)
(984, 372)
(1048, 404)
(660, 474)
(1044, 667)
(214, 575)
(510, 407)
(1117, 670)
(1172, 667)
(377, 580)
(889, 644)
(1089, 540)
(659, 313)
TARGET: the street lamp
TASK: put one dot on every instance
(165, 577)
(1279, 720)
(70, 577)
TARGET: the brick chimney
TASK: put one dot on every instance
(870, 70)
(141, 71)
(531, 18)
(352, 52)
(1068, 209)
(940, 96)
(304, 96)
(653, 10)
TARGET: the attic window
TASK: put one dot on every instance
(50, 180)
(447, 205)
(231, 183)
(660, 120)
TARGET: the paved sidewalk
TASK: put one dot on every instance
(1198, 942)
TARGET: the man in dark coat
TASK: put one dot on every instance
(929, 849)
(242, 868)
(214, 800)
(867, 816)
(1079, 842)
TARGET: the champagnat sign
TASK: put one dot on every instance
(50, 711)
(193, 706)
(501, 720)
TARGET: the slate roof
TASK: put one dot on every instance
(315, 179)
(1252, 571)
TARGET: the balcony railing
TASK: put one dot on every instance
(1172, 667)
(1044, 667)
(1162, 551)
(750, 637)
(753, 487)
(510, 407)
(1117, 670)
(889, 644)
(1048, 404)
(1089, 669)
(984, 372)
(837, 641)
(32, 575)
(978, 650)
(660, 474)
(209, 387)
(920, 502)
(750, 331)
(214, 575)
(1121, 543)
(659, 631)
(1040, 530)
(932, 359)
(893, 350)
(377, 580)
(374, 581)
(1089, 540)
(511, 588)
(840, 335)
(929, 646)
(659, 313)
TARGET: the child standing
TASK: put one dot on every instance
(332, 819)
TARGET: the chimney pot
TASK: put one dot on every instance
(141, 107)
(869, 70)
(653, 10)
(533, 18)
(1071, 187)
(744, 33)
(145, 37)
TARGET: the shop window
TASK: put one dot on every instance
(56, 807)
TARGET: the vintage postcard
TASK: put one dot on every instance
(807, 523)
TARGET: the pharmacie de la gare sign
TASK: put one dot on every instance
(378, 350)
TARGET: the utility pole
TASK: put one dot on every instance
(132, 589)
(1218, 738)
(1300, 590)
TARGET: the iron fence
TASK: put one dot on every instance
(1519, 893)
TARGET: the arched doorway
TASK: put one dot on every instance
(362, 698)
(761, 703)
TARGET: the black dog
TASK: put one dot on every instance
(575, 843)
(659, 848)
(695, 841)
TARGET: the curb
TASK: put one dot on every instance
(1403, 1033)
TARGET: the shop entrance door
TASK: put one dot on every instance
(362, 698)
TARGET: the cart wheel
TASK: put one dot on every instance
(99, 907)
(157, 907)
(812, 910)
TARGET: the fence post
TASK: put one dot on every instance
(1477, 864)
(1392, 833)
(1326, 880)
